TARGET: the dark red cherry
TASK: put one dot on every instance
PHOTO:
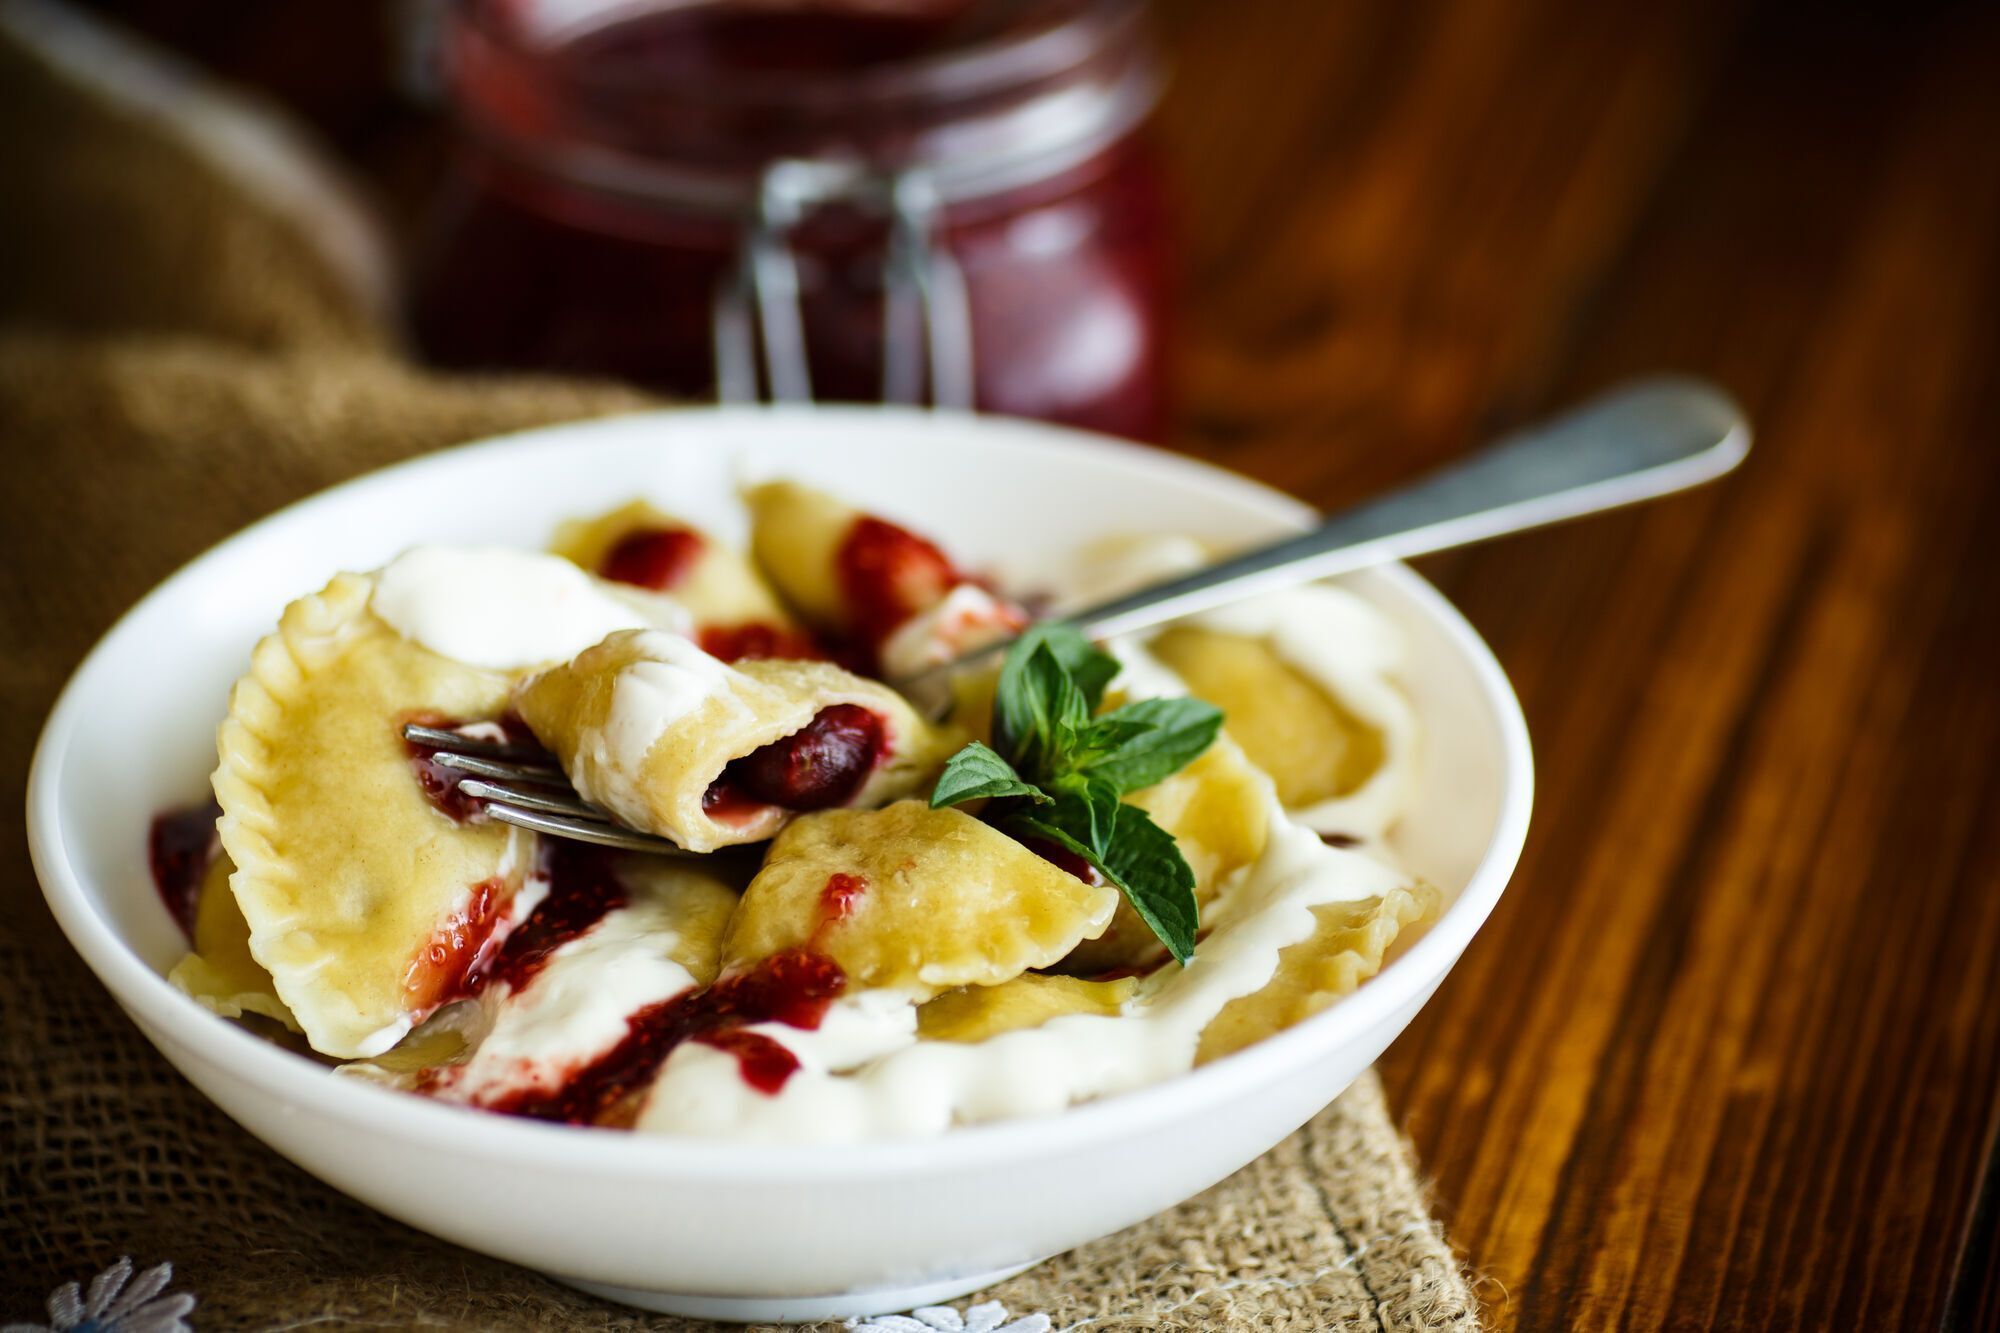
(657, 558)
(821, 766)
(181, 846)
(888, 574)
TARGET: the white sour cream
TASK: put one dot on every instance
(574, 1009)
(508, 609)
(671, 681)
(967, 617)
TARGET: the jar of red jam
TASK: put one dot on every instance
(945, 201)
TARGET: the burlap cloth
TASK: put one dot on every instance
(178, 357)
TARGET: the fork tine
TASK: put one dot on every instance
(495, 768)
(604, 835)
(459, 744)
(545, 800)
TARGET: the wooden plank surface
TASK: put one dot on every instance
(1728, 1053)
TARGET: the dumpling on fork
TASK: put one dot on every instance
(676, 742)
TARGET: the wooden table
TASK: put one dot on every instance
(1728, 1053)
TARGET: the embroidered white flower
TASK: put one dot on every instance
(113, 1306)
(989, 1317)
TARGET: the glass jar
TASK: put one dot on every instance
(936, 200)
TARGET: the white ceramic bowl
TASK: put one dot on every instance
(723, 1230)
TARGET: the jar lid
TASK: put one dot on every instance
(692, 103)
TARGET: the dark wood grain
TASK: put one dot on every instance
(1728, 1053)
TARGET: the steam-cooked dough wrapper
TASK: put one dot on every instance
(1218, 809)
(974, 1013)
(220, 974)
(645, 722)
(795, 537)
(1313, 747)
(717, 586)
(1345, 949)
(931, 899)
(346, 874)
(1307, 681)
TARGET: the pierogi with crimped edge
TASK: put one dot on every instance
(648, 726)
(833, 960)
(1347, 946)
(352, 881)
(913, 899)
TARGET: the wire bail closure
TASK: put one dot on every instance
(926, 317)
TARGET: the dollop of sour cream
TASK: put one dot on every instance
(507, 609)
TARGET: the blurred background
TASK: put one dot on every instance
(1727, 1053)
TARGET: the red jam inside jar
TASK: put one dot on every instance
(600, 205)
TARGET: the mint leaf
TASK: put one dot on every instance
(1160, 738)
(1076, 768)
(976, 772)
(1086, 809)
(1147, 866)
(1140, 858)
(1022, 711)
(1037, 707)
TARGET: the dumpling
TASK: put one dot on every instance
(736, 614)
(1290, 726)
(974, 1013)
(1218, 808)
(364, 900)
(913, 898)
(869, 582)
(1345, 949)
(1306, 680)
(220, 973)
(676, 742)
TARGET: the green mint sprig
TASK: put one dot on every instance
(1060, 771)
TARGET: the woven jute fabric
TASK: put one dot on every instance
(177, 358)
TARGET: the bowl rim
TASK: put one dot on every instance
(168, 1017)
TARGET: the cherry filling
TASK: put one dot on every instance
(841, 894)
(821, 765)
(888, 574)
(459, 949)
(758, 639)
(180, 847)
(657, 558)
(473, 950)
(583, 890)
(794, 987)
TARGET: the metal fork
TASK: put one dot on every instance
(524, 785)
(1634, 443)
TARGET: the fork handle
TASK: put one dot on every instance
(1631, 444)
(1640, 440)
